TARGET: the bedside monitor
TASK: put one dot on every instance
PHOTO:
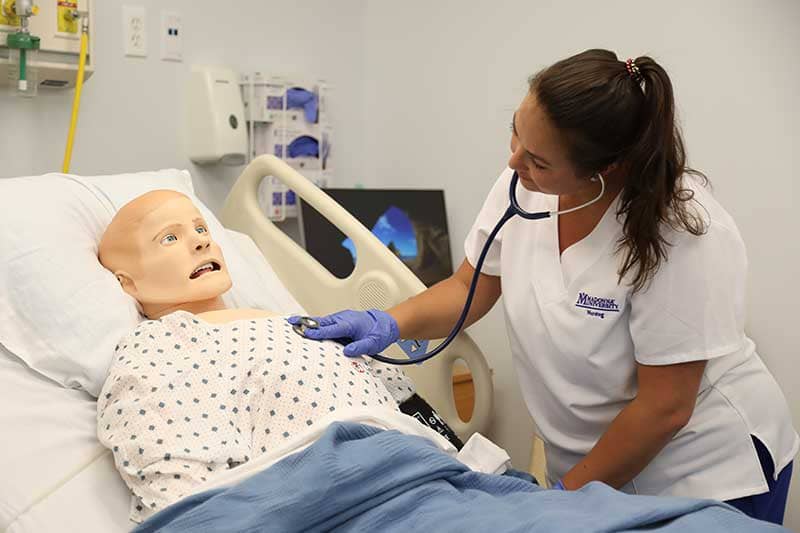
(411, 222)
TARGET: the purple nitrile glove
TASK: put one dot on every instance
(558, 486)
(370, 332)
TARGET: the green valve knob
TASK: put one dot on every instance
(23, 41)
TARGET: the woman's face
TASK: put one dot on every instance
(539, 155)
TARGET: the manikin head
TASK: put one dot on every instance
(159, 248)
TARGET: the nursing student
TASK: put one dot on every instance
(625, 317)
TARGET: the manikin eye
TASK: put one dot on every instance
(201, 229)
(168, 238)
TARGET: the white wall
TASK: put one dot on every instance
(426, 89)
(443, 78)
(132, 108)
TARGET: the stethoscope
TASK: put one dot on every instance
(513, 209)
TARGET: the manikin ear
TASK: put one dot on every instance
(126, 282)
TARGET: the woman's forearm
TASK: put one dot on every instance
(433, 313)
(632, 440)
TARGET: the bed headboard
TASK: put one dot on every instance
(379, 280)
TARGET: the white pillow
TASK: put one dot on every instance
(60, 311)
(258, 285)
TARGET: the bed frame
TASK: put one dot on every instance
(379, 280)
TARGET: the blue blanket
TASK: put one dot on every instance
(358, 478)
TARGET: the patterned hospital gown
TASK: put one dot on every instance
(185, 398)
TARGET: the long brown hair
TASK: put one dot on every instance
(606, 115)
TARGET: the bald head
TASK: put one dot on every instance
(118, 246)
(161, 251)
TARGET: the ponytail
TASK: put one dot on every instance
(612, 111)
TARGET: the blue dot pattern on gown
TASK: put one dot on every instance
(185, 399)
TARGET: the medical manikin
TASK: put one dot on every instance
(199, 388)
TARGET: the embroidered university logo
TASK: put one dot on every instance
(596, 306)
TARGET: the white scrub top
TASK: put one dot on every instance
(576, 336)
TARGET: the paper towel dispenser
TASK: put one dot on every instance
(215, 128)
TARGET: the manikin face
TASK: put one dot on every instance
(167, 257)
(538, 153)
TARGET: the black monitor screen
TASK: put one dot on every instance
(412, 223)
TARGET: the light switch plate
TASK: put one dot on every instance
(134, 30)
(171, 36)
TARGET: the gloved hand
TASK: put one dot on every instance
(370, 331)
(558, 486)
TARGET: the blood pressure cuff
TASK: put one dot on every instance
(418, 408)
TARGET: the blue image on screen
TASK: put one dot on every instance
(394, 229)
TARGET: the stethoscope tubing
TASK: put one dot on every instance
(513, 209)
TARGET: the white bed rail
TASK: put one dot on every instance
(379, 280)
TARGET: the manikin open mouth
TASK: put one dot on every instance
(205, 268)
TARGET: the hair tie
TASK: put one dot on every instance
(633, 71)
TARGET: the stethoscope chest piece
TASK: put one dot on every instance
(306, 323)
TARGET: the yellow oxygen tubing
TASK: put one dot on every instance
(76, 102)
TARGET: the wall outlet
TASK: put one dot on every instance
(134, 30)
(171, 36)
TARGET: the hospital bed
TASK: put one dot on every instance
(57, 476)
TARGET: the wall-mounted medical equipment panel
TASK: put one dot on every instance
(40, 43)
